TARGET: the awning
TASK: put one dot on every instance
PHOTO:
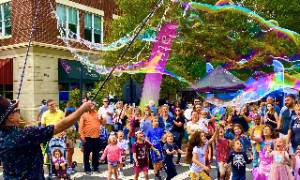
(6, 71)
(69, 72)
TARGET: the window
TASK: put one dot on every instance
(5, 22)
(93, 28)
(6, 90)
(68, 18)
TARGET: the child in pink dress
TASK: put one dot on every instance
(297, 164)
(279, 168)
(114, 156)
(263, 170)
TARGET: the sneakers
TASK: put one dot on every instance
(96, 171)
(158, 177)
(121, 175)
(69, 170)
(88, 173)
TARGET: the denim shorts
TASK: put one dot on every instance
(113, 163)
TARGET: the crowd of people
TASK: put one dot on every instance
(263, 134)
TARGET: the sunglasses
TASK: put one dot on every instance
(105, 101)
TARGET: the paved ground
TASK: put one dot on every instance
(182, 170)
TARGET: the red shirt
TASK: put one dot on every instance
(141, 151)
(222, 149)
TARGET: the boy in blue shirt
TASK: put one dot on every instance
(155, 135)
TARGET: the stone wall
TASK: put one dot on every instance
(41, 76)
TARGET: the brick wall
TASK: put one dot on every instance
(108, 6)
(46, 32)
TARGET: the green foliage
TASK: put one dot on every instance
(62, 105)
(222, 39)
(75, 97)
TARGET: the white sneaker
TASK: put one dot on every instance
(121, 174)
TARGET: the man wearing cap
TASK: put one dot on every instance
(20, 149)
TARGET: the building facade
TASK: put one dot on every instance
(48, 55)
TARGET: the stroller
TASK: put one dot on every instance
(56, 152)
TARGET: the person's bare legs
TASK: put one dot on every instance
(157, 168)
(109, 172)
(56, 167)
(63, 167)
(222, 170)
(70, 153)
(115, 171)
(146, 175)
(136, 176)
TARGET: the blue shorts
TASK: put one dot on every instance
(114, 164)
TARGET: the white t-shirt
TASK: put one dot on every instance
(200, 151)
(193, 127)
(123, 144)
(103, 113)
(188, 113)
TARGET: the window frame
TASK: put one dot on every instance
(93, 27)
(6, 90)
(66, 23)
(3, 32)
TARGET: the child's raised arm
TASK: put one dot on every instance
(269, 152)
(212, 139)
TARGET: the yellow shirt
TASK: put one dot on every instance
(257, 132)
(51, 118)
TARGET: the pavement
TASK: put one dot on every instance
(182, 171)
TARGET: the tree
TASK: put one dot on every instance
(223, 38)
